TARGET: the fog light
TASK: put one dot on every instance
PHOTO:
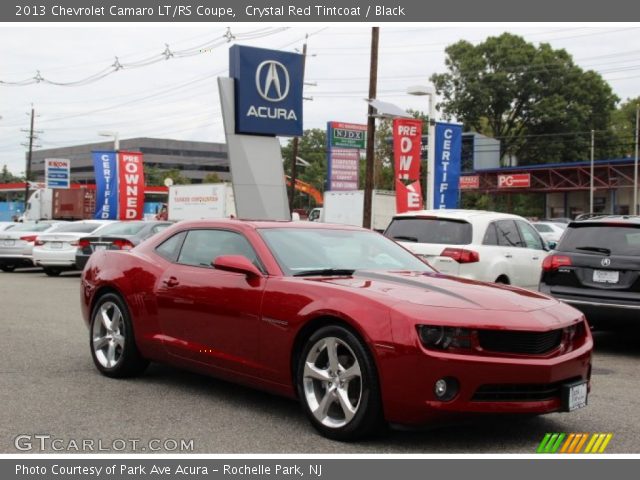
(446, 388)
(441, 388)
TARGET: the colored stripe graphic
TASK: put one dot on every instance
(573, 443)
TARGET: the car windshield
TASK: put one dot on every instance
(79, 227)
(122, 228)
(31, 227)
(604, 239)
(430, 230)
(300, 250)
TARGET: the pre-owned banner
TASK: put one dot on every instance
(105, 166)
(448, 150)
(407, 138)
(131, 181)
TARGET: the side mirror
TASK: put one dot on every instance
(236, 264)
(551, 245)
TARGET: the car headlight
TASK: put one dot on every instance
(438, 337)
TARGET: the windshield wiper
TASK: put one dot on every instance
(325, 272)
(402, 237)
(603, 250)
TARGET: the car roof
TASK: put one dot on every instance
(256, 224)
(456, 214)
(631, 219)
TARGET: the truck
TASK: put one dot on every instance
(61, 204)
(201, 201)
(347, 208)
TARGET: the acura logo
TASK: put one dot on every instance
(605, 262)
(272, 81)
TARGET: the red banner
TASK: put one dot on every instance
(130, 186)
(515, 180)
(407, 139)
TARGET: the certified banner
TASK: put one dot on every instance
(407, 139)
(105, 166)
(447, 165)
(131, 182)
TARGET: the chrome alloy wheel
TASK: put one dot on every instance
(108, 335)
(332, 382)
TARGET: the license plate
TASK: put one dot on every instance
(8, 243)
(97, 248)
(56, 244)
(606, 276)
(574, 396)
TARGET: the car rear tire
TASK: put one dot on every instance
(337, 383)
(503, 279)
(52, 272)
(7, 268)
(111, 339)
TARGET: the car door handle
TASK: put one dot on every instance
(171, 282)
(535, 258)
(508, 255)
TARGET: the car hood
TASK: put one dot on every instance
(438, 290)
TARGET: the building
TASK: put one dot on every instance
(194, 159)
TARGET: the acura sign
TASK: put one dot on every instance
(268, 91)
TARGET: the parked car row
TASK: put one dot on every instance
(57, 246)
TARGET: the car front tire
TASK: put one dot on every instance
(112, 342)
(337, 383)
(52, 272)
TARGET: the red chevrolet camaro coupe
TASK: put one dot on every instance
(357, 328)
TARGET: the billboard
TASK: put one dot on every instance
(448, 150)
(407, 139)
(119, 185)
(57, 173)
(344, 141)
(469, 182)
(268, 91)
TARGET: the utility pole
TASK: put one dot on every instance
(294, 155)
(32, 136)
(591, 185)
(635, 164)
(371, 129)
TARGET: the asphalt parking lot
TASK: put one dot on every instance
(48, 385)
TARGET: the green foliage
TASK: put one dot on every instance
(154, 176)
(507, 88)
(7, 177)
(623, 125)
(212, 177)
(525, 204)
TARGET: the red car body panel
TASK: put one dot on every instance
(245, 329)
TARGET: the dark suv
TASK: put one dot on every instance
(596, 268)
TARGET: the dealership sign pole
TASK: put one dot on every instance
(119, 185)
(344, 142)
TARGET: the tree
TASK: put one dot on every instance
(535, 100)
(623, 126)
(154, 176)
(7, 177)
(212, 177)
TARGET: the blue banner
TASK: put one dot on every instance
(105, 165)
(268, 90)
(447, 165)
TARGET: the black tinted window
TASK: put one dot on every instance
(490, 236)
(170, 248)
(201, 247)
(507, 232)
(619, 240)
(430, 230)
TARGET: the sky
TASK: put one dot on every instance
(177, 97)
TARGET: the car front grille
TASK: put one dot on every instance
(525, 343)
(516, 393)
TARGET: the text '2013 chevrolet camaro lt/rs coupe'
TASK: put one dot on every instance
(357, 328)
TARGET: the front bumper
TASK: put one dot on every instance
(408, 377)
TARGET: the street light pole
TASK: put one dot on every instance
(429, 182)
(116, 138)
(371, 129)
(591, 183)
(635, 164)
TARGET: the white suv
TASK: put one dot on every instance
(486, 246)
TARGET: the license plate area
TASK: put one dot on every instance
(8, 243)
(606, 276)
(574, 395)
(97, 248)
(56, 245)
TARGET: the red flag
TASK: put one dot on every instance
(407, 137)
(131, 186)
